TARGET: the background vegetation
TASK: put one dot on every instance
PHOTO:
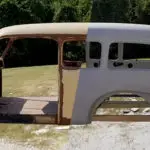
(31, 52)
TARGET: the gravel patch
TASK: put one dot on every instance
(110, 136)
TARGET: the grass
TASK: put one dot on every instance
(26, 134)
(32, 81)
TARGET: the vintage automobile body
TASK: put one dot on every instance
(82, 90)
(95, 84)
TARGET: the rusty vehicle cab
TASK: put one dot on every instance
(60, 111)
(103, 68)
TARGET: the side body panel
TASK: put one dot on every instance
(95, 84)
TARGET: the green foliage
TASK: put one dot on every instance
(144, 11)
(84, 10)
(128, 11)
(110, 11)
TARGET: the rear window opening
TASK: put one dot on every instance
(74, 54)
(95, 50)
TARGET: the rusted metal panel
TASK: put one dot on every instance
(60, 39)
(7, 48)
(60, 101)
(72, 64)
(125, 104)
(61, 118)
(132, 118)
(45, 119)
(1, 86)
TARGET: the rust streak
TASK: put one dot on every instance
(1, 86)
(60, 104)
(7, 48)
(61, 41)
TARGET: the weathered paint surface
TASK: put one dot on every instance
(70, 82)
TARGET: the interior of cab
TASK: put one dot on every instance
(71, 51)
(131, 56)
(121, 55)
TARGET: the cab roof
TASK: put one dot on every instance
(93, 31)
(44, 29)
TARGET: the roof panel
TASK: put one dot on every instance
(94, 31)
(118, 32)
(45, 29)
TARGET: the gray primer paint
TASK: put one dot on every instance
(97, 83)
